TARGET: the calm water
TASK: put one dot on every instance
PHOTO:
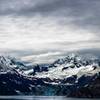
(39, 98)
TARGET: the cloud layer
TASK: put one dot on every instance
(30, 28)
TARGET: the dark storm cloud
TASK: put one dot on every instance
(83, 13)
(62, 7)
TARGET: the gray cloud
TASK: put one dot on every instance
(62, 7)
(84, 13)
(61, 24)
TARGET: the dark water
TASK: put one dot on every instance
(39, 98)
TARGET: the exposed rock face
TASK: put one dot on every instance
(91, 90)
(12, 83)
(72, 76)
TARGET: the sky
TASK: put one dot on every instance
(42, 30)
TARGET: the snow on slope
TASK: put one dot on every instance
(60, 69)
(57, 73)
(71, 65)
(8, 63)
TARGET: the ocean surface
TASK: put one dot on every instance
(40, 98)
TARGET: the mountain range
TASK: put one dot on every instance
(71, 76)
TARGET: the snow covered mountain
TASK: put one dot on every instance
(66, 67)
(71, 76)
(8, 63)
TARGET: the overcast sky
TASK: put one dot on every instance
(34, 29)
